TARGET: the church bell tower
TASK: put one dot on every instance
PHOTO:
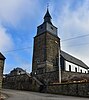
(46, 51)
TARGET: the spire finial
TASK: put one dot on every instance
(47, 5)
(47, 17)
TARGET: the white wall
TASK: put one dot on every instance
(73, 66)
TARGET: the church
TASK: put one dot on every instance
(53, 70)
(50, 63)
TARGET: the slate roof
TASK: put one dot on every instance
(2, 57)
(18, 69)
(73, 60)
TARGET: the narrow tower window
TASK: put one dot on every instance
(81, 70)
(70, 68)
(75, 69)
(52, 28)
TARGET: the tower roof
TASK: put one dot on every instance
(47, 14)
(47, 17)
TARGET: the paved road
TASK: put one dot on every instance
(26, 95)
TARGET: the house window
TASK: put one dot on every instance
(52, 28)
(88, 71)
(70, 68)
(40, 71)
(81, 70)
(75, 69)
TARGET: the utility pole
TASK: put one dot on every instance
(58, 43)
(59, 64)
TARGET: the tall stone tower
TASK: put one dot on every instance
(46, 51)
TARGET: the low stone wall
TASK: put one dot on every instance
(26, 82)
(74, 89)
(20, 82)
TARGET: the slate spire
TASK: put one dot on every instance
(47, 17)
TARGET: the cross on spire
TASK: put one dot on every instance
(47, 5)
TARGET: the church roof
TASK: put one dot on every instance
(1, 56)
(73, 60)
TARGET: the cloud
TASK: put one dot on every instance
(73, 21)
(6, 41)
(16, 16)
(13, 11)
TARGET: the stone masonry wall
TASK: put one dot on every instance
(53, 77)
(48, 77)
(1, 74)
(24, 82)
(73, 76)
(52, 51)
(45, 57)
(20, 82)
(0, 77)
(74, 89)
(39, 51)
(76, 84)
